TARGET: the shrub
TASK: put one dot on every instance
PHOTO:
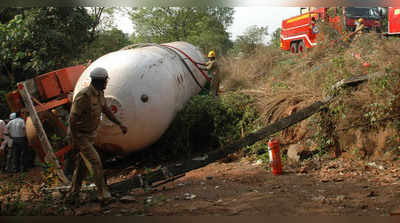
(205, 123)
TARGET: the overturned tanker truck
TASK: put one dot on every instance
(148, 84)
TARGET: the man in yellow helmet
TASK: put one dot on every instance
(213, 73)
(359, 28)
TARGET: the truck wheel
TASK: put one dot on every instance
(302, 47)
(293, 47)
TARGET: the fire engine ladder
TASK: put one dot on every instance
(50, 157)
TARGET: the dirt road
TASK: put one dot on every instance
(335, 187)
(245, 188)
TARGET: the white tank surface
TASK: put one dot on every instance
(147, 86)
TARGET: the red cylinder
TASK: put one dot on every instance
(275, 157)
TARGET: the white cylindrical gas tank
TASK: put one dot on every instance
(147, 86)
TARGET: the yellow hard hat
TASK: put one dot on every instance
(360, 20)
(211, 53)
(54, 112)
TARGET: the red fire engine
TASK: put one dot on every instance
(300, 32)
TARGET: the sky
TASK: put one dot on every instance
(244, 17)
(260, 16)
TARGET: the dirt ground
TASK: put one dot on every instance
(243, 187)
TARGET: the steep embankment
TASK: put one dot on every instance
(363, 122)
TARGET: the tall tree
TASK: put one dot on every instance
(252, 37)
(105, 42)
(204, 27)
(96, 13)
(42, 39)
(6, 14)
(103, 19)
(276, 38)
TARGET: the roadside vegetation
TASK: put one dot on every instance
(362, 121)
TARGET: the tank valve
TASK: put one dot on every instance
(144, 98)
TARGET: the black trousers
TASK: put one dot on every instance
(4, 159)
(18, 154)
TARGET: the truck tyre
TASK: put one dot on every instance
(293, 47)
(302, 47)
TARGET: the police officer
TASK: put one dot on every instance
(213, 73)
(86, 109)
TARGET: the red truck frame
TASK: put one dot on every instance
(51, 94)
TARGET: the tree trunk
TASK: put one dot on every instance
(10, 75)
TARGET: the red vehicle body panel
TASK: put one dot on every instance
(58, 82)
(14, 101)
(298, 28)
(53, 88)
(48, 91)
(367, 22)
(393, 20)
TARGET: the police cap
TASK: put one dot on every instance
(99, 73)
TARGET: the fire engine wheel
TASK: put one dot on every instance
(301, 47)
(293, 47)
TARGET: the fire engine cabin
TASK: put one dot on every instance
(300, 32)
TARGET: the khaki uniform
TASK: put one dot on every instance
(213, 72)
(360, 30)
(86, 110)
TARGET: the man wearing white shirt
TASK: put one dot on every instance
(17, 132)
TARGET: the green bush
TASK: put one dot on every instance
(4, 109)
(205, 123)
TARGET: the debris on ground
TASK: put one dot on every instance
(189, 196)
(344, 187)
(127, 199)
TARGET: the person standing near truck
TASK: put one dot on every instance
(17, 132)
(86, 109)
(213, 72)
(359, 28)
